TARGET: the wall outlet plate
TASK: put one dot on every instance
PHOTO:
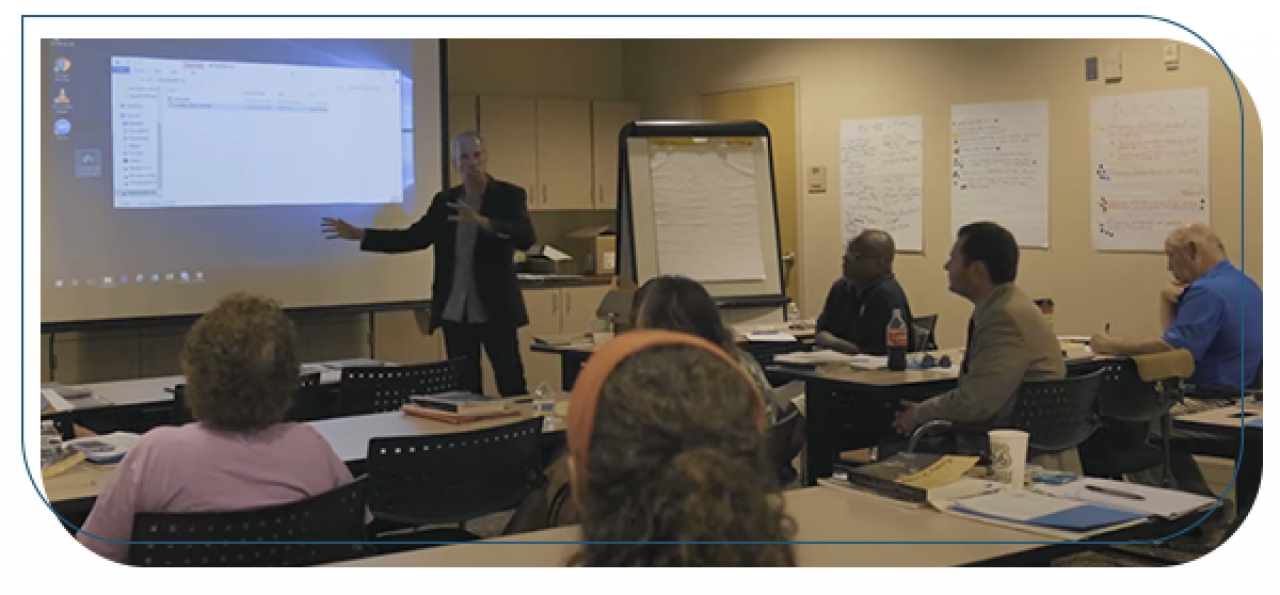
(816, 179)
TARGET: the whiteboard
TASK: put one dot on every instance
(696, 198)
(881, 179)
(1150, 167)
(1000, 168)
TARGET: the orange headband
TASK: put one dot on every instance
(590, 382)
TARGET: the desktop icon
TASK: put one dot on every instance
(106, 280)
(124, 279)
(62, 127)
(155, 278)
(62, 97)
(75, 283)
(62, 64)
(185, 277)
(141, 277)
(199, 276)
(168, 277)
(57, 283)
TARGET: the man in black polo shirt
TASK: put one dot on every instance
(862, 301)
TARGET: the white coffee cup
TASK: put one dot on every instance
(1009, 456)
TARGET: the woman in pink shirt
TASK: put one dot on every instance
(241, 364)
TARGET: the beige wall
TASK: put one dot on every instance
(844, 79)
(579, 68)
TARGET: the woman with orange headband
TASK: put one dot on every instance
(669, 458)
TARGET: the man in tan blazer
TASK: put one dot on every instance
(1009, 341)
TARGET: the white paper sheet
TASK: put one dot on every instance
(1159, 502)
(1000, 168)
(1150, 167)
(881, 181)
(707, 212)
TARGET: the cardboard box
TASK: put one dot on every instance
(601, 249)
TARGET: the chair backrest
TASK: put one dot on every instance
(1123, 396)
(313, 402)
(1058, 414)
(181, 413)
(377, 389)
(925, 339)
(308, 400)
(786, 440)
(224, 538)
(450, 478)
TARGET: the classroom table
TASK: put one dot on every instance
(1226, 422)
(73, 492)
(849, 409)
(821, 514)
(574, 354)
(143, 403)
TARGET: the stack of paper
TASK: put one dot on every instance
(1040, 510)
(813, 358)
(770, 337)
(1145, 500)
(870, 362)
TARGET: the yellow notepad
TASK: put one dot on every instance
(942, 472)
(62, 466)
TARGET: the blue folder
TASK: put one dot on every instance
(1082, 518)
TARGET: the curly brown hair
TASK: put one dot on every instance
(241, 363)
(677, 455)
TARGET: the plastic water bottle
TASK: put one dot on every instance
(544, 400)
(50, 444)
(895, 338)
(793, 312)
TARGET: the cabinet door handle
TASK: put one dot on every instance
(568, 303)
(555, 304)
(544, 194)
(600, 194)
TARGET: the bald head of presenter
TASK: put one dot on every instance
(476, 228)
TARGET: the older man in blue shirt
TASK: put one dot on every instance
(1214, 311)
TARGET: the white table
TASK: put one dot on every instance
(348, 436)
(822, 514)
(144, 391)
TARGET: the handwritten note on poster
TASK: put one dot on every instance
(706, 211)
(881, 183)
(1000, 168)
(1150, 167)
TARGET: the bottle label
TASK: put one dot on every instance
(896, 337)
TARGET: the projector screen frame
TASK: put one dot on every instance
(334, 310)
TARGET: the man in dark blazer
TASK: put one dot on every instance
(476, 228)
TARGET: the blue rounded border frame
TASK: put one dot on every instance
(26, 463)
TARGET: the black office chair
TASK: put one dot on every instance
(226, 538)
(925, 337)
(416, 481)
(786, 440)
(378, 389)
(1058, 415)
(1128, 407)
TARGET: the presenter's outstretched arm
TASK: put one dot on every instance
(419, 236)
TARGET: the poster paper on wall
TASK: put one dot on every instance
(1000, 168)
(881, 181)
(1150, 167)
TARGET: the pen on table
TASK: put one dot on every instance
(1116, 493)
